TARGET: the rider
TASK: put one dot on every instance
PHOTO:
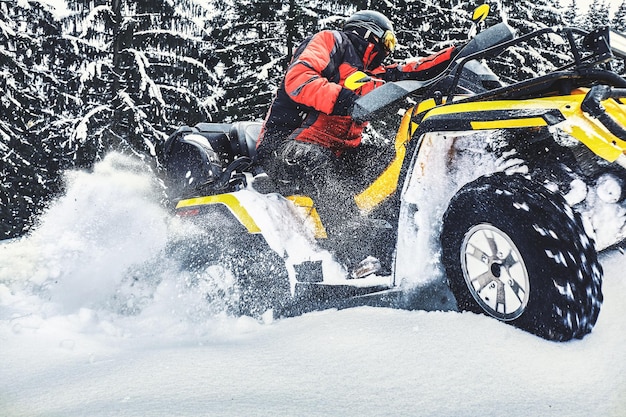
(309, 142)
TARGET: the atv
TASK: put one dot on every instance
(497, 197)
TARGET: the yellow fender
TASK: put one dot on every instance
(572, 119)
(306, 205)
(230, 201)
(387, 183)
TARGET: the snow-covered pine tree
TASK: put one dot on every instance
(311, 16)
(111, 74)
(306, 17)
(425, 27)
(571, 15)
(619, 19)
(539, 55)
(597, 15)
(251, 47)
(150, 69)
(605, 13)
(618, 23)
(30, 101)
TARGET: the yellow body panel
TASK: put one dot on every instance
(509, 124)
(387, 182)
(308, 207)
(593, 134)
(581, 126)
(230, 201)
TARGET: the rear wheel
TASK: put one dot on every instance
(517, 252)
(255, 278)
(262, 278)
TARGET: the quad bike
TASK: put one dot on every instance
(496, 199)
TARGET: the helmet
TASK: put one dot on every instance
(374, 27)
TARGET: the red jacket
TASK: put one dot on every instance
(312, 103)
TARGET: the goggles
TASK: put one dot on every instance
(373, 33)
(389, 41)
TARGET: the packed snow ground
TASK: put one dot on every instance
(94, 323)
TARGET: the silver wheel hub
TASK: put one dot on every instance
(495, 272)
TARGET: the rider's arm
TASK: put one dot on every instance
(305, 83)
(422, 69)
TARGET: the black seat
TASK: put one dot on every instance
(244, 136)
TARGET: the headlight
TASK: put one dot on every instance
(211, 164)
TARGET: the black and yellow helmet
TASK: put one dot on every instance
(374, 27)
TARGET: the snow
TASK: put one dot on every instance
(80, 336)
(81, 130)
(584, 5)
(57, 7)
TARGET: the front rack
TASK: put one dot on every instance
(592, 52)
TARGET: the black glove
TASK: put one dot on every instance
(345, 102)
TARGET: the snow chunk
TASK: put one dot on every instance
(521, 206)
(578, 192)
(558, 257)
(545, 232)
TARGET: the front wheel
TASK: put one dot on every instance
(517, 252)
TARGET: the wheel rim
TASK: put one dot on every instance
(495, 272)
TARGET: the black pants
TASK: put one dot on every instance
(332, 182)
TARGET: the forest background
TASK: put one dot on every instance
(79, 79)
